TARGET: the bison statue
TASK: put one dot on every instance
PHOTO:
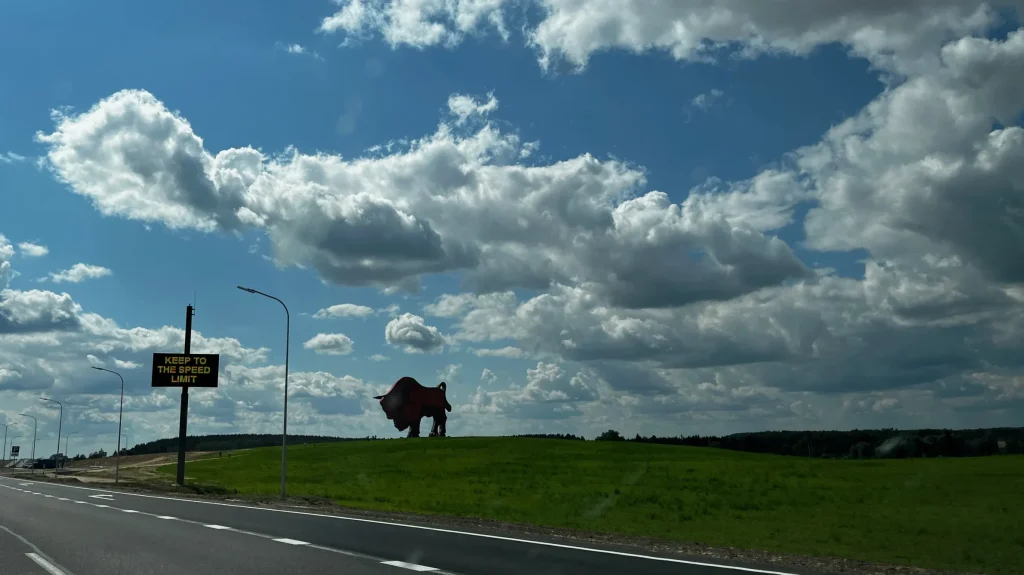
(408, 402)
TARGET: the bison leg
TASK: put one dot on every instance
(441, 422)
(414, 428)
(433, 427)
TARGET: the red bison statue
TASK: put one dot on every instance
(408, 402)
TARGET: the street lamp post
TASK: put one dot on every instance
(67, 440)
(3, 455)
(60, 423)
(35, 425)
(287, 344)
(120, 412)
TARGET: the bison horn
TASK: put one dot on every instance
(378, 396)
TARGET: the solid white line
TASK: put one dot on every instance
(163, 517)
(49, 567)
(291, 541)
(217, 527)
(410, 566)
(443, 530)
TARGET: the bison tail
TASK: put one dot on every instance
(447, 405)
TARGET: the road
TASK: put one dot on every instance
(55, 529)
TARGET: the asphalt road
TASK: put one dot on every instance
(82, 531)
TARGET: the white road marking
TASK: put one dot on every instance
(103, 496)
(163, 517)
(291, 541)
(410, 566)
(81, 501)
(129, 511)
(101, 505)
(217, 527)
(63, 498)
(437, 530)
(49, 567)
(24, 484)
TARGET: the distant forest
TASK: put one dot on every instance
(855, 444)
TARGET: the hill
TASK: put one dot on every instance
(954, 513)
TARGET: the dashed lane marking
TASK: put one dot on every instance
(409, 566)
(285, 540)
(49, 567)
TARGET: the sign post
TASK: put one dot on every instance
(185, 370)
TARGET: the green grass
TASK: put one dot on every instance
(955, 514)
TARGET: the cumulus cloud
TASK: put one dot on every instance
(78, 273)
(450, 202)
(901, 35)
(330, 344)
(705, 100)
(409, 333)
(343, 310)
(32, 250)
(415, 24)
(549, 393)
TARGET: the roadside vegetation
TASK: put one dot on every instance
(958, 514)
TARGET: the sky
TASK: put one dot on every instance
(660, 217)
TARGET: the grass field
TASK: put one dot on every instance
(956, 514)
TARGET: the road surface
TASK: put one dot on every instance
(55, 529)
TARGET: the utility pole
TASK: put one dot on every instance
(183, 419)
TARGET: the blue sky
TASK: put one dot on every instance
(226, 69)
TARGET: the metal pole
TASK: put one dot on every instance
(120, 413)
(67, 441)
(287, 347)
(3, 456)
(60, 423)
(183, 416)
(35, 425)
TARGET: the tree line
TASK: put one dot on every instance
(855, 444)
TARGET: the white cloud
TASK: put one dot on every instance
(415, 23)
(378, 357)
(465, 107)
(507, 351)
(451, 202)
(344, 310)
(79, 273)
(32, 250)
(706, 100)
(409, 333)
(120, 364)
(330, 344)
(11, 158)
(893, 35)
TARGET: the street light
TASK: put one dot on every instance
(60, 423)
(117, 468)
(287, 343)
(67, 440)
(34, 426)
(3, 455)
